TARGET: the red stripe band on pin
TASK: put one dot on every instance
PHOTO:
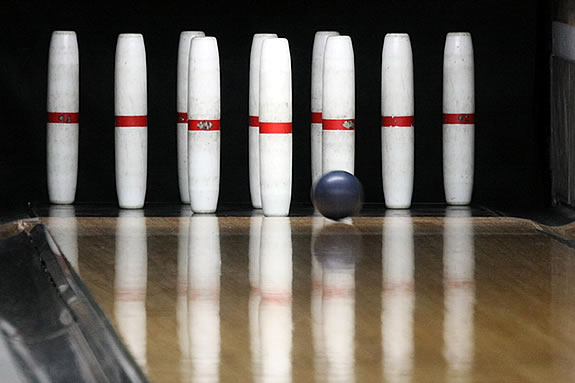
(459, 118)
(131, 121)
(63, 118)
(397, 121)
(316, 118)
(338, 124)
(254, 121)
(275, 127)
(203, 125)
(182, 117)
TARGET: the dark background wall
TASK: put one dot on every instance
(511, 43)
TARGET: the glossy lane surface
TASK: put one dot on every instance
(393, 299)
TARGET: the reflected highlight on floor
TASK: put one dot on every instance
(301, 299)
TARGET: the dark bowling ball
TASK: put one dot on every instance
(337, 195)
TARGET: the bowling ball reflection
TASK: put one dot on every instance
(338, 246)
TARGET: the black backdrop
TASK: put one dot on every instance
(511, 44)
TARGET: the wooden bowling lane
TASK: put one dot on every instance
(301, 299)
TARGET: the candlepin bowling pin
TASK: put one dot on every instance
(397, 131)
(458, 118)
(62, 126)
(182, 109)
(254, 127)
(131, 107)
(338, 115)
(204, 124)
(316, 102)
(275, 127)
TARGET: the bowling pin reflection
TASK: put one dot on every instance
(275, 310)
(562, 311)
(182, 300)
(200, 339)
(318, 223)
(63, 227)
(255, 296)
(459, 292)
(398, 296)
(131, 282)
(335, 250)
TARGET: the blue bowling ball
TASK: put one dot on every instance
(337, 195)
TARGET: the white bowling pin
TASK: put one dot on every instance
(316, 102)
(62, 126)
(204, 124)
(131, 107)
(204, 269)
(459, 291)
(131, 281)
(338, 114)
(254, 125)
(275, 127)
(182, 109)
(276, 275)
(458, 118)
(397, 132)
(398, 296)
